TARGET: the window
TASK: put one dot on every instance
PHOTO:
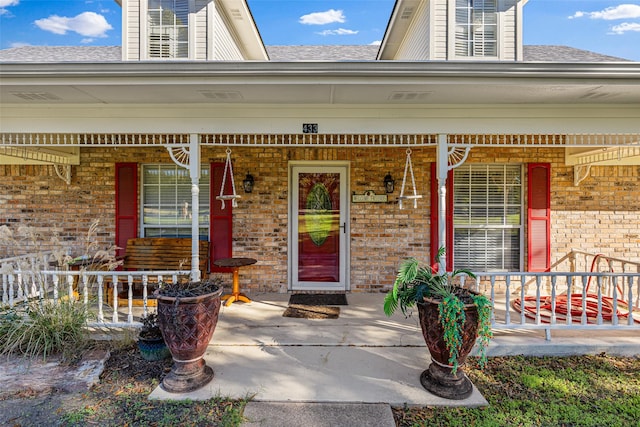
(166, 201)
(168, 28)
(487, 217)
(476, 28)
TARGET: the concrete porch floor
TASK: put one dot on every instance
(363, 357)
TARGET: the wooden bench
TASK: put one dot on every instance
(158, 253)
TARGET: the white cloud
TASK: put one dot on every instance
(88, 24)
(625, 27)
(376, 43)
(6, 3)
(338, 32)
(623, 11)
(322, 18)
(20, 44)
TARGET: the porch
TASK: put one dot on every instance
(363, 356)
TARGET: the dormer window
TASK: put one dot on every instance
(476, 28)
(168, 28)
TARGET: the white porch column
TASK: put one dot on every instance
(194, 171)
(442, 164)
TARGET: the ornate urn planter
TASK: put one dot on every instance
(187, 324)
(452, 318)
(441, 378)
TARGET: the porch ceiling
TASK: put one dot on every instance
(321, 83)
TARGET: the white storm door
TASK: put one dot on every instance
(319, 227)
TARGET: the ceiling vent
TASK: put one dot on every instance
(409, 96)
(36, 96)
(221, 95)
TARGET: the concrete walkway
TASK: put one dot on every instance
(347, 371)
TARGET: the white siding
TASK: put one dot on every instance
(225, 46)
(439, 31)
(416, 45)
(201, 30)
(508, 36)
(131, 44)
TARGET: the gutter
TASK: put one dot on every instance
(373, 69)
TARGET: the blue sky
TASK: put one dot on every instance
(607, 27)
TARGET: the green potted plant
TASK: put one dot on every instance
(451, 317)
(187, 316)
(150, 341)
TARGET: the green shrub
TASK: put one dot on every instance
(43, 328)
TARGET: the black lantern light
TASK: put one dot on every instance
(388, 183)
(247, 183)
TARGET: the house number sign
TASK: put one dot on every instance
(309, 128)
(369, 196)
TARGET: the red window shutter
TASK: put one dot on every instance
(539, 217)
(126, 204)
(435, 213)
(221, 220)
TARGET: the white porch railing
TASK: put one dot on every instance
(553, 301)
(90, 288)
(17, 264)
(546, 301)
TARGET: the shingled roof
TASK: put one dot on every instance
(550, 53)
(62, 54)
(540, 53)
(323, 53)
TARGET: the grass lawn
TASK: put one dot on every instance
(551, 391)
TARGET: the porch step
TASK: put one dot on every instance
(278, 414)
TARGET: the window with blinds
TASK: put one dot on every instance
(487, 217)
(168, 28)
(476, 30)
(166, 201)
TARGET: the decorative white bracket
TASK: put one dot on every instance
(457, 155)
(580, 173)
(65, 174)
(180, 156)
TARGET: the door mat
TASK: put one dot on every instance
(303, 311)
(318, 299)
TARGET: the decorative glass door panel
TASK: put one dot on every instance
(319, 227)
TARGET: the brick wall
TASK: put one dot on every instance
(600, 215)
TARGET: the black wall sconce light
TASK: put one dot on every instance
(389, 183)
(247, 183)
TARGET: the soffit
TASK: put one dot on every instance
(349, 83)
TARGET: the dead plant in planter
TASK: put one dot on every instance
(150, 341)
(188, 315)
(452, 318)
